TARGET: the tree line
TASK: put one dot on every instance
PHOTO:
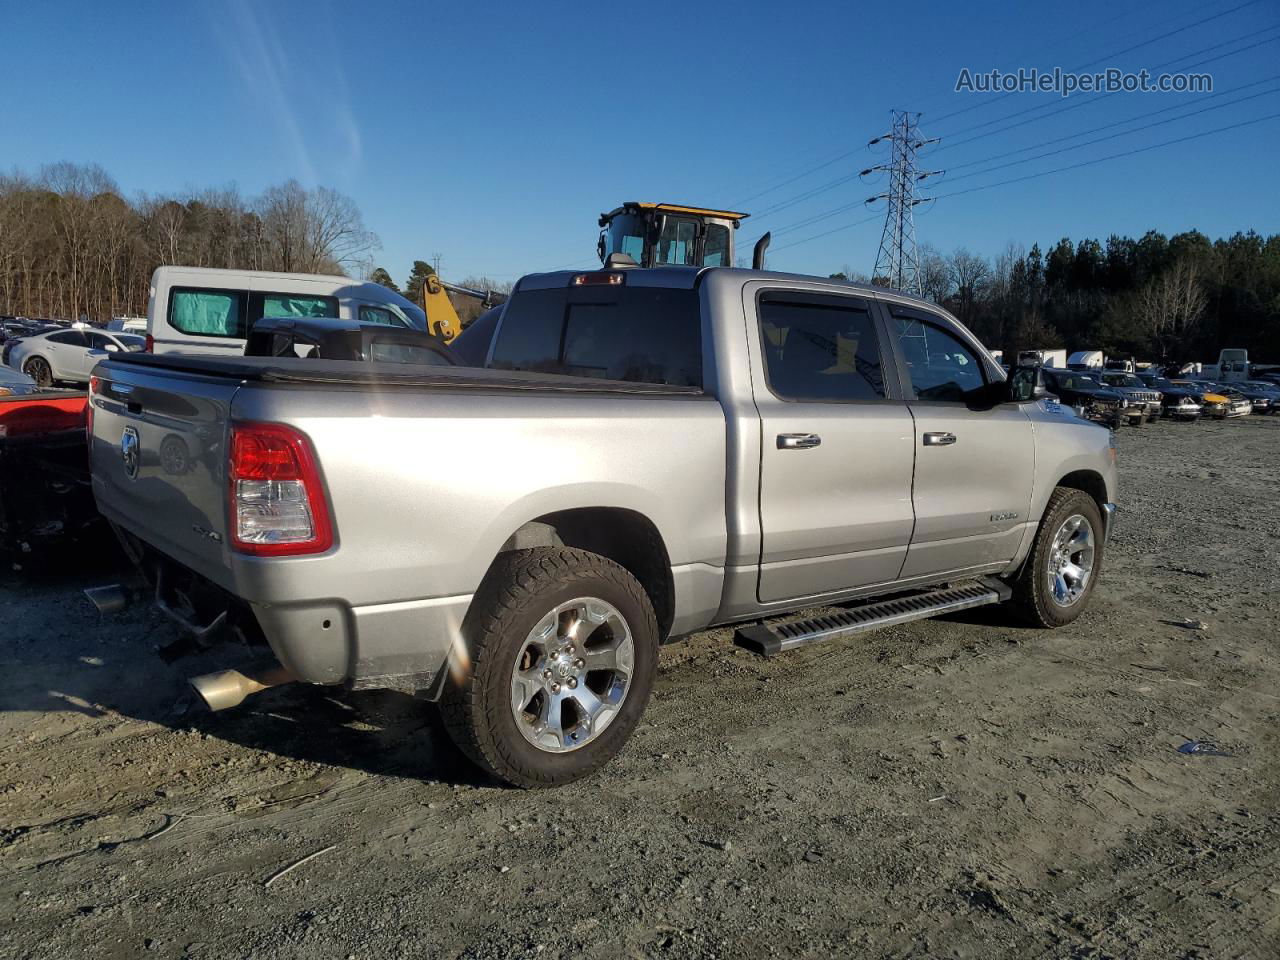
(1171, 299)
(72, 245)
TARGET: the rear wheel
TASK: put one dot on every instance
(37, 368)
(1059, 575)
(563, 652)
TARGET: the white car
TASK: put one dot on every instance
(68, 355)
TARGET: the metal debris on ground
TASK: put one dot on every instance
(1204, 748)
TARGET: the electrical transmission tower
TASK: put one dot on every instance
(897, 262)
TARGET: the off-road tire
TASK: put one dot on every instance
(518, 592)
(38, 369)
(1031, 602)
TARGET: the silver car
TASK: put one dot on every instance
(15, 384)
(68, 355)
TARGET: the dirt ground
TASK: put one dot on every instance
(955, 788)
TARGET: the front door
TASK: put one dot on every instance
(837, 448)
(974, 467)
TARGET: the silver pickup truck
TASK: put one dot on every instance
(645, 453)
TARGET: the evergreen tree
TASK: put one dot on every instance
(417, 277)
(381, 276)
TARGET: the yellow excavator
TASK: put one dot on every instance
(635, 234)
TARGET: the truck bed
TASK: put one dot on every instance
(361, 373)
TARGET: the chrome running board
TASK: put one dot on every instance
(771, 639)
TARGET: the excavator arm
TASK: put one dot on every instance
(442, 318)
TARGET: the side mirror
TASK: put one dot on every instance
(1024, 385)
(97, 352)
(112, 348)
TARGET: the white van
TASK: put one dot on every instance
(205, 310)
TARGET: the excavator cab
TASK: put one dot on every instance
(668, 234)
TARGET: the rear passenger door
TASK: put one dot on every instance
(974, 467)
(836, 448)
(66, 350)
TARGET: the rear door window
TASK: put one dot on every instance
(290, 305)
(70, 338)
(380, 315)
(208, 313)
(639, 334)
(820, 348)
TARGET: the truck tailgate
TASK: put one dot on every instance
(158, 458)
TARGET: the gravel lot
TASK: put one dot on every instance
(950, 788)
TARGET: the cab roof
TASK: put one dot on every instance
(672, 208)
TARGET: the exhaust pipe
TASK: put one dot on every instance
(109, 599)
(228, 688)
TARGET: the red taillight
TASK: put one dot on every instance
(277, 499)
(149, 345)
(598, 279)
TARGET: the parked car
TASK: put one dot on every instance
(68, 355)
(1089, 397)
(1264, 395)
(15, 384)
(1222, 401)
(1177, 402)
(11, 341)
(1238, 397)
(1137, 393)
(1213, 403)
(635, 463)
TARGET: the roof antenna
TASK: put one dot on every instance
(757, 255)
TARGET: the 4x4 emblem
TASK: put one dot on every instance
(130, 452)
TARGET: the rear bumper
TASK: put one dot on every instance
(388, 645)
(403, 646)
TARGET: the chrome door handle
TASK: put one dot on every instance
(798, 441)
(939, 439)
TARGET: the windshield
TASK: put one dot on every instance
(131, 342)
(1124, 380)
(625, 234)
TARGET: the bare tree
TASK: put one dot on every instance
(1168, 307)
(969, 275)
(935, 275)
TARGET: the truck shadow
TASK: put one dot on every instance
(68, 659)
(378, 732)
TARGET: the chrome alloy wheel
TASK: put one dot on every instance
(1071, 560)
(572, 675)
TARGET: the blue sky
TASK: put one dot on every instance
(494, 133)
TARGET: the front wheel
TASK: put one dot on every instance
(1059, 575)
(37, 368)
(562, 647)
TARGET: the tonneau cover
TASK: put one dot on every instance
(357, 372)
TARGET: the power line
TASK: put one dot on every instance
(1103, 59)
(1117, 123)
(1113, 156)
(1112, 136)
(799, 176)
(1057, 45)
(1046, 173)
(1068, 106)
(1075, 104)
